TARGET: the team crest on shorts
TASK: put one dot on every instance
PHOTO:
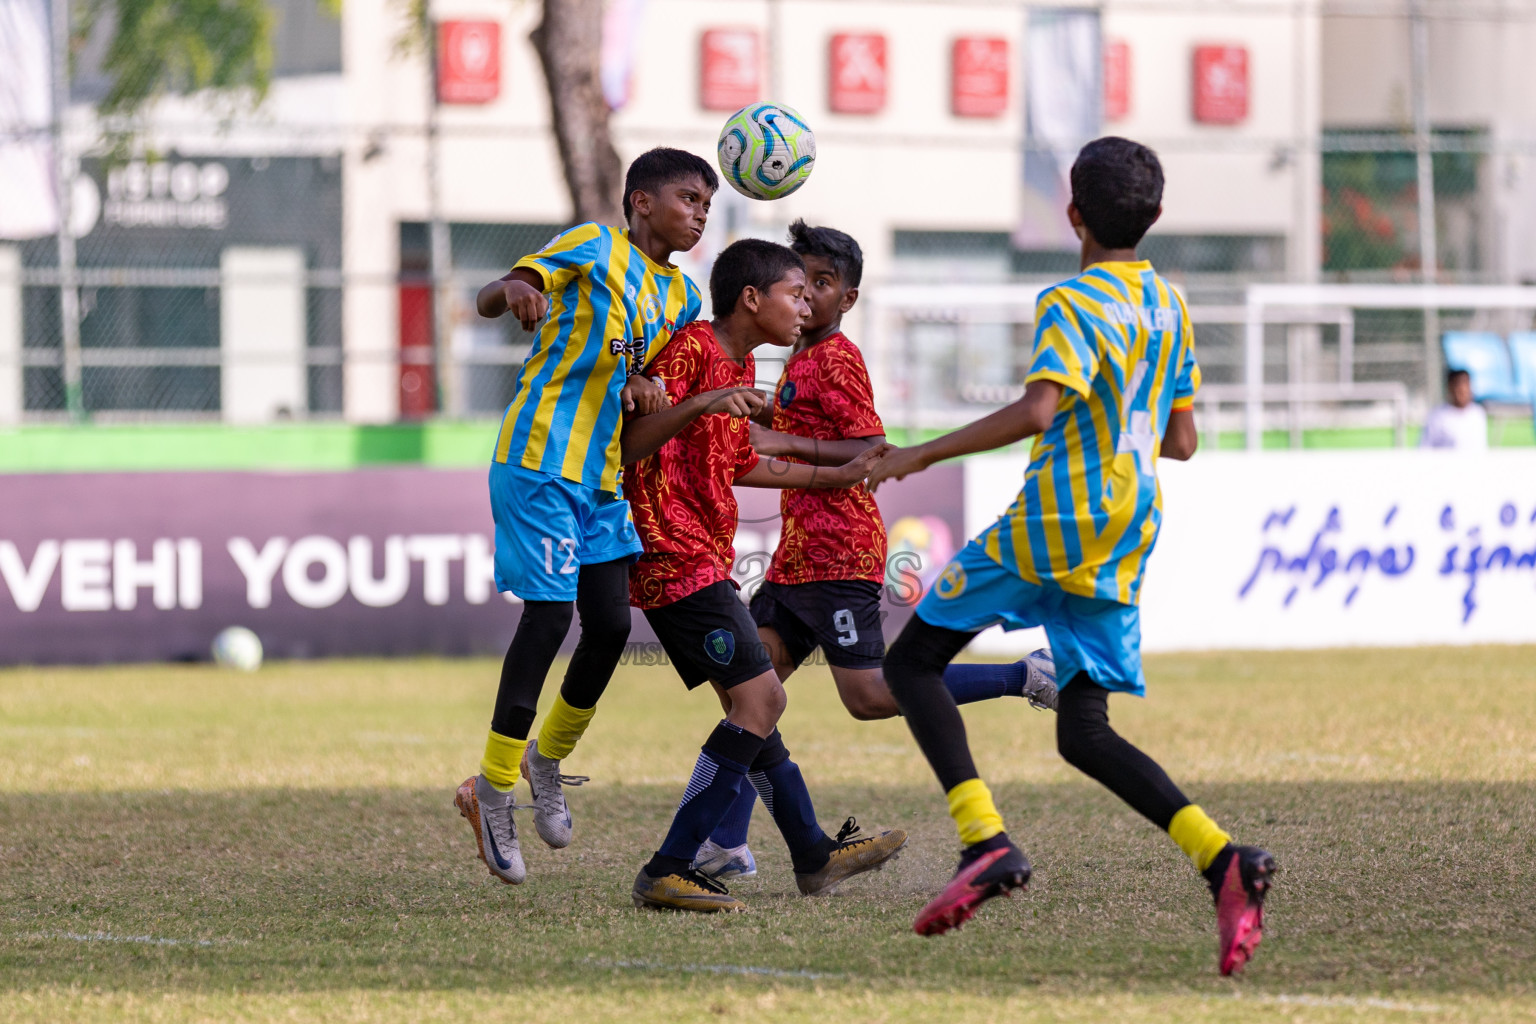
(951, 582)
(720, 646)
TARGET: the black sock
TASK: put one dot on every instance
(540, 632)
(1085, 739)
(914, 669)
(997, 842)
(602, 603)
(1217, 869)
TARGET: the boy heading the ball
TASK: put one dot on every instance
(1110, 390)
(826, 579)
(608, 300)
(686, 459)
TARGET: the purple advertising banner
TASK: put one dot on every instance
(151, 566)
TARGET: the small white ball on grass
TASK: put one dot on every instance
(238, 647)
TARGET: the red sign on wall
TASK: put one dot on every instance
(856, 73)
(979, 77)
(468, 61)
(1117, 79)
(1221, 84)
(730, 68)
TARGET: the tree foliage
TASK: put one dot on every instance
(173, 46)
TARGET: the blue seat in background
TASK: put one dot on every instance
(1485, 357)
(1522, 351)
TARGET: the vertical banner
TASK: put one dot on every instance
(979, 77)
(29, 208)
(856, 73)
(1117, 80)
(730, 68)
(1063, 110)
(468, 61)
(621, 34)
(1221, 84)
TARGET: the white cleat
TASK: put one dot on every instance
(489, 812)
(1040, 679)
(551, 814)
(724, 863)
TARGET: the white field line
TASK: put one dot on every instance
(1365, 1002)
(145, 940)
(650, 965)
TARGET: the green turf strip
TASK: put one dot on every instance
(182, 843)
(444, 443)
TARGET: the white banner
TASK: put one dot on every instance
(1324, 549)
(28, 205)
(1063, 97)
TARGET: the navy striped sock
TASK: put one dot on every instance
(714, 786)
(733, 827)
(971, 683)
(778, 781)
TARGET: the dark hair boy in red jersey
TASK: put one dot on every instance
(826, 580)
(686, 459)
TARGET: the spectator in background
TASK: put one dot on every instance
(1460, 423)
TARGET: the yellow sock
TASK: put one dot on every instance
(503, 756)
(1198, 836)
(562, 727)
(970, 804)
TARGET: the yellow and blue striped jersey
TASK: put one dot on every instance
(1117, 338)
(611, 307)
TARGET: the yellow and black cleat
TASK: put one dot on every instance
(683, 890)
(855, 854)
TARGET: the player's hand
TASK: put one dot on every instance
(896, 463)
(642, 396)
(525, 302)
(737, 402)
(766, 442)
(856, 470)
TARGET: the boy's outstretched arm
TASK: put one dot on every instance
(520, 292)
(1181, 439)
(1029, 415)
(644, 435)
(773, 473)
(818, 453)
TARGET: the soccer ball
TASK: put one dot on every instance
(766, 151)
(237, 647)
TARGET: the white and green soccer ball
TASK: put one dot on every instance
(237, 647)
(766, 151)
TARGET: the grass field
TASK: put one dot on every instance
(180, 843)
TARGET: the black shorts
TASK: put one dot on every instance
(710, 636)
(842, 617)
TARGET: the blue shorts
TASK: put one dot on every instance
(547, 528)
(1086, 634)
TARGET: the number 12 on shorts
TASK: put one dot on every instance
(567, 547)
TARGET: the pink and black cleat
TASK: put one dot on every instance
(993, 867)
(1240, 878)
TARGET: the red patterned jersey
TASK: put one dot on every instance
(681, 497)
(829, 533)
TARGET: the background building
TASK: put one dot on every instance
(284, 254)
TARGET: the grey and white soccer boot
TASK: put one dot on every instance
(551, 814)
(724, 863)
(1040, 679)
(489, 812)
